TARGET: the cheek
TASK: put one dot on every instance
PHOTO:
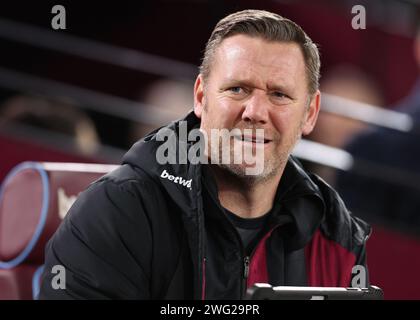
(286, 123)
(222, 113)
(280, 121)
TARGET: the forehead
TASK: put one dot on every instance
(245, 57)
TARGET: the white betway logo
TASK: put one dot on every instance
(179, 180)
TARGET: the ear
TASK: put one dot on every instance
(312, 113)
(199, 99)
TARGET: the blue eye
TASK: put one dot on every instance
(235, 89)
(278, 94)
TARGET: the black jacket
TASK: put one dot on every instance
(136, 234)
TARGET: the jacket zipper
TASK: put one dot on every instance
(247, 262)
(246, 274)
(203, 280)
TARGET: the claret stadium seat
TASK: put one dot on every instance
(34, 198)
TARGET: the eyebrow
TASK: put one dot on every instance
(281, 88)
(248, 83)
(240, 82)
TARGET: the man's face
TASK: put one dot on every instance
(256, 84)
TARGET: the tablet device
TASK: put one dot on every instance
(263, 291)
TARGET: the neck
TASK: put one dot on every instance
(245, 197)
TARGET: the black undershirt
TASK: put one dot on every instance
(249, 229)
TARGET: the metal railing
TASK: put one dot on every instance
(140, 112)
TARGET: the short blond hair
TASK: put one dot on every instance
(271, 27)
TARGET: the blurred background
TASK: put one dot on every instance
(120, 69)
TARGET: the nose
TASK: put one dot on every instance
(256, 111)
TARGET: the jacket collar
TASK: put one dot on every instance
(143, 156)
(298, 200)
(298, 196)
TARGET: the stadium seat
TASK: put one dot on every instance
(34, 198)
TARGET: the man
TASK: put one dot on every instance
(208, 231)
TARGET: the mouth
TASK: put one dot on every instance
(253, 139)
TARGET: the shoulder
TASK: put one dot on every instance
(125, 181)
(123, 194)
(127, 177)
(339, 224)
